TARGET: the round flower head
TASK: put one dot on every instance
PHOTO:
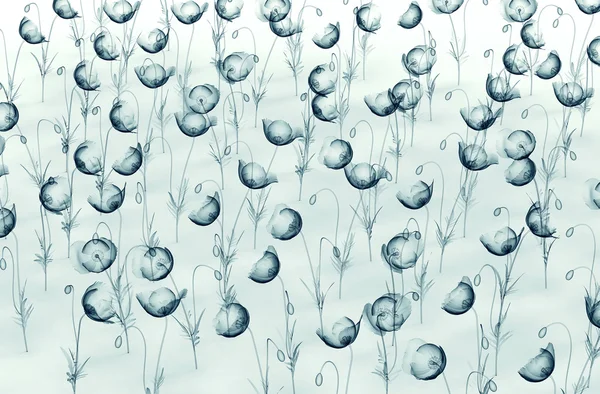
(105, 46)
(515, 60)
(208, 212)
(322, 79)
(592, 309)
(540, 367)
(237, 66)
(571, 94)
(519, 10)
(329, 37)
(232, 320)
(95, 255)
(343, 333)
(203, 98)
(411, 17)
(152, 263)
(30, 32)
(279, 132)
(419, 60)
(266, 268)
(120, 11)
(97, 302)
(9, 116)
(499, 89)
(538, 221)
(407, 94)
(382, 104)
(324, 108)
(63, 9)
(424, 361)
(368, 18)
(550, 67)
(593, 51)
(285, 28)
(520, 172)
(285, 223)
(194, 124)
(130, 162)
(364, 176)
(154, 41)
(229, 9)
(531, 36)
(123, 117)
(55, 195)
(480, 117)
(501, 242)
(8, 221)
(109, 200)
(335, 153)
(161, 302)
(254, 176)
(589, 7)
(417, 196)
(86, 76)
(461, 299)
(446, 6)
(591, 195)
(403, 251)
(273, 10)
(388, 313)
(474, 157)
(88, 158)
(188, 12)
(518, 144)
(154, 75)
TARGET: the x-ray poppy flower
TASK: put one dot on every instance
(592, 309)
(273, 10)
(343, 333)
(518, 144)
(403, 251)
(550, 67)
(154, 41)
(55, 195)
(232, 320)
(540, 367)
(593, 51)
(411, 17)
(154, 75)
(368, 18)
(538, 221)
(109, 200)
(253, 175)
(520, 172)
(8, 221)
(364, 176)
(382, 104)
(424, 361)
(480, 117)
(519, 10)
(152, 263)
(285, 28)
(237, 66)
(407, 93)
(208, 212)
(9, 116)
(461, 299)
(97, 302)
(194, 124)
(531, 36)
(123, 117)
(335, 153)
(95, 255)
(515, 60)
(88, 158)
(203, 98)
(571, 94)
(285, 223)
(324, 108)
(266, 268)
(105, 46)
(130, 162)
(329, 37)
(30, 32)
(161, 302)
(446, 6)
(63, 9)
(500, 90)
(417, 196)
(322, 79)
(592, 193)
(388, 313)
(120, 11)
(501, 242)
(86, 76)
(589, 7)
(188, 12)
(229, 9)
(474, 157)
(419, 60)
(279, 132)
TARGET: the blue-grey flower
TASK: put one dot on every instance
(368, 18)
(273, 10)
(285, 223)
(531, 35)
(342, 334)
(154, 75)
(461, 299)
(203, 98)
(55, 195)
(411, 17)
(188, 12)
(388, 313)
(96, 255)
(550, 67)
(591, 195)
(382, 103)
(237, 66)
(151, 263)
(417, 196)
(571, 94)
(229, 9)
(446, 6)
(86, 76)
(593, 51)
(208, 212)
(474, 157)
(515, 60)
(9, 116)
(8, 220)
(130, 162)
(520, 172)
(154, 41)
(407, 93)
(592, 309)
(63, 9)
(232, 320)
(194, 124)
(322, 79)
(266, 268)
(123, 117)
(500, 90)
(97, 302)
(538, 221)
(120, 11)
(424, 361)
(518, 144)
(540, 367)
(589, 7)
(105, 46)
(88, 158)
(364, 176)
(519, 10)
(501, 242)
(335, 153)
(324, 108)
(419, 60)
(329, 37)
(280, 133)
(253, 175)
(403, 251)
(161, 302)
(285, 28)
(109, 199)
(480, 117)
(30, 32)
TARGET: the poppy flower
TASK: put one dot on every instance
(382, 104)
(520, 172)
(285, 223)
(154, 75)
(88, 158)
(188, 12)
(254, 176)
(123, 117)
(335, 153)
(273, 10)
(8, 220)
(364, 176)
(343, 333)
(329, 37)
(411, 17)
(194, 124)
(461, 299)
(95, 255)
(592, 309)
(86, 76)
(502, 242)
(446, 6)
(232, 320)
(519, 10)
(593, 51)
(208, 212)
(105, 47)
(571, 94)
(407, 94)
(480, 117)
(417, 196)
(266, 268)
(531, 36)
(500, 90)
(550, 67)
(403, 251)
(322, 80)
(63, 9)
(9, 116)
(592, 193)
(538, 221)
(285, 28)
(515, 60)
(279, 132)
(154, 41)
(130, 162)
(120, 11)
(368, 18)
(419, 60)
(540, 367)
(518, 144)
(589, 7)
(229, 9)
(203, 98)
(30, 32)
(424, 361)
(324, 108)
(237, 66)
(474, 157)
(109, 200)
(55, 195)
(161, 302)
(152, 263)
(97, 302)
(388, 313)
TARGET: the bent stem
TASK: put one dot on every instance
(337, 374)
(570, 352)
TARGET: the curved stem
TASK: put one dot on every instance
(337, 374)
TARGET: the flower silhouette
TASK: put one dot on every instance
(274, 10)
(388, 313)
(123, 117)
(63, 9)
(335, 153)
(130, 162)
(96, 255)
(403, 251)
(109, 199)
(501, 242)
(208, 212)
(30, 32)
(364, 176)
(105, 46)
(322, 80)
(461, 299)
(343, 333)
(229, 9)
(424, 361)
(515, 60)
(474, 157)
(9, 116)
(86, 76)
(8, 220)
(407, 93)
(203, 98)
(589, 7)
(55, 195)
(266, 268)
(120, 11)
(520, 172)
(538, 221)
(232, 320)
(152, 263)
(592, 309)
(161, 302)
(382, 104)
(285, 223)
(411, 17)
(571, 94)
(329, 37)
(88, 158)
(368, 18)
(500, 90)
(188, 12)
(419, 60)
(518, 144)
(519, 10)
(550, 67)
(417, 196)
(324, 108)
(531, 36)
(591, 194)
(285, 28)
(254, 176)
(237, 66)
(154, 75)
(480, 117)
(154, 41)
(593, 51)
(279, 132)
(540, 367)
(194, 124)
(97, 302)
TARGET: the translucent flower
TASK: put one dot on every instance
(540, 367)
(500, 90)
(95, 255)
(55, 195)
(109, 200)
(63, 9)
(329, 37)
(571, 94)
(105, 47)
(322, 79)
(411, 17)
(550, 67)
(285, 223)
(123, 117)
(480, 117)
(120, 11)
(97, 302)
(519, 10)
(232, 320)
(589, 7)
(154, 75)
(403, 251)
(324, 108)
(335, 153)
(152, 263)
(591, 194)
(194, 124)
(285, 28)
(538, 221)
(515, 60)
(206, 214)
(407, 94)
(424, 361)
(266, 268)
(531, 36)
(86, 76)
(88, 158)
(237, 66)
(364, 176)
(382, 104)
(388, 313)
(343, 333)
(279, 132)
(501, 242)
(130, 162)
(520, 172)
(154, 41)
(229, 9)
(203, 98)
(253, 175)
(417, 196)
(188, 12)
(461, 299)
(8, 220)
(419, 60)
(273, 10)
(161, 302)
(474, 157)
(593, 51)
(592, 309)
(30, 32)
(368, 18)
(9, 116)
(446, 6)
(518, 144)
